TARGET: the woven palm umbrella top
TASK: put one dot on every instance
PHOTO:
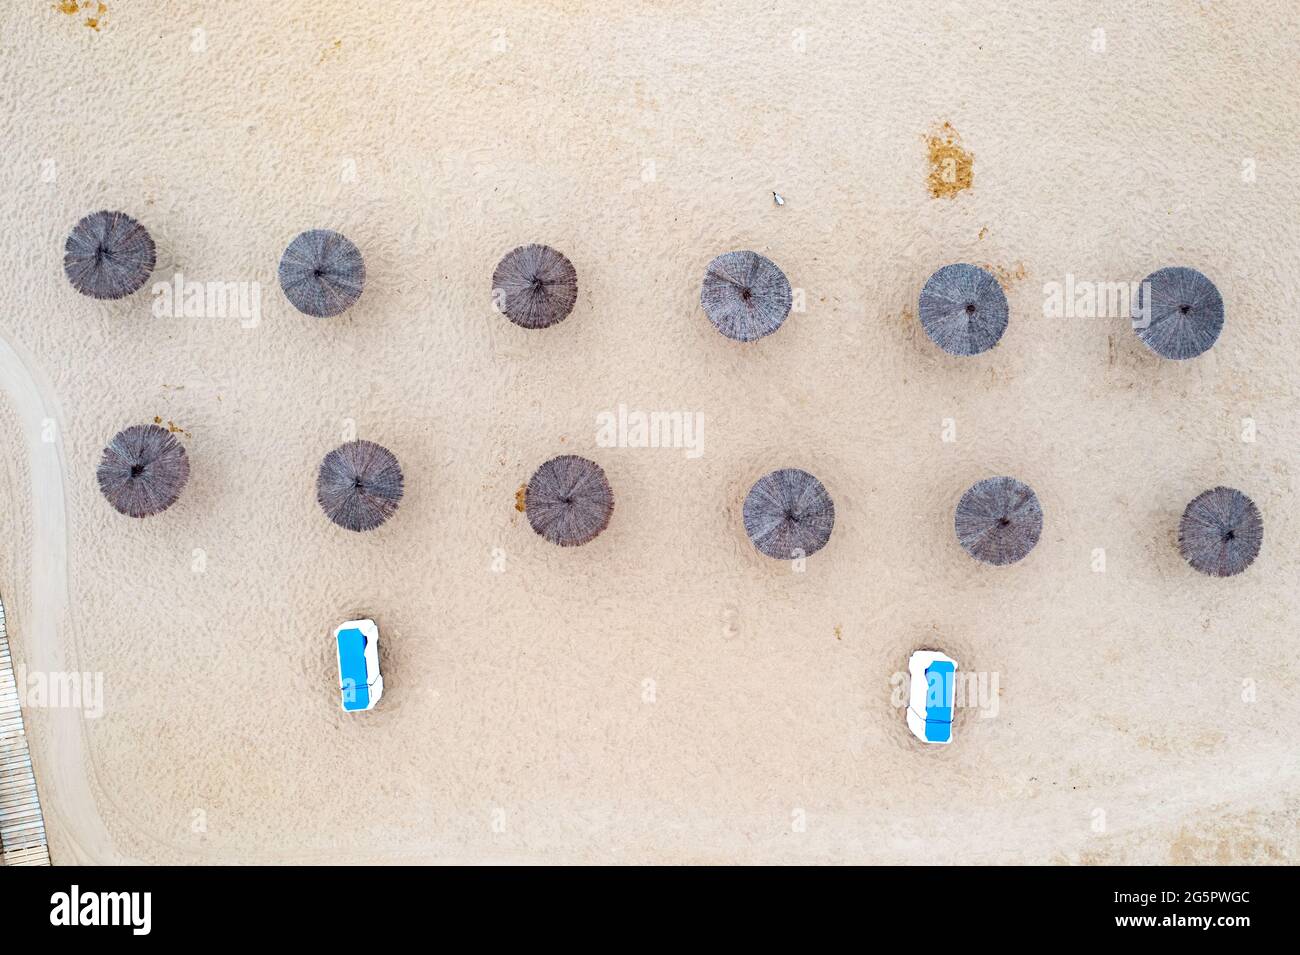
(745, 295)
(999, 520)
(1186, 313)
(535, 286)
(359, 485)
(568, 500)
(1221, 532)
(108, 255)
(788, 514)
(322, 273)
(963, 309)
(143, 470)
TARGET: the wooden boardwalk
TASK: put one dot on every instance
(22, 828)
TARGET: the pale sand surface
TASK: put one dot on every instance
(515, 724)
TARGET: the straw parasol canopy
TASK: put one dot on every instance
(1185, 313)
(359, 485)
(1221, 532)
(745, 295)
(535, 286)
(963, 309)
(788, 514)
(322, 273)
(143, 470)
(999, 520)
(568, 500)
(108, 255)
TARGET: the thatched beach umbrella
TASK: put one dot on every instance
(322, 273)
(143, 470)
(788, 514)
(568, 500)
(963, 309)
(359, 485)
(108, 255)
(745, 295)
(1179, 313)
(999, 520)
(535, 286)
(1221, 532)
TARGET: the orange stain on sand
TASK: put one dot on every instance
(1008, 275)
(172, 426)
(952, 168)
(94, 10)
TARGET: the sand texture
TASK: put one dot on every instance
(664, 693)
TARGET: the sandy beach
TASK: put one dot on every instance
(664, 693)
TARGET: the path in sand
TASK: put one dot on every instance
(69, 804)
